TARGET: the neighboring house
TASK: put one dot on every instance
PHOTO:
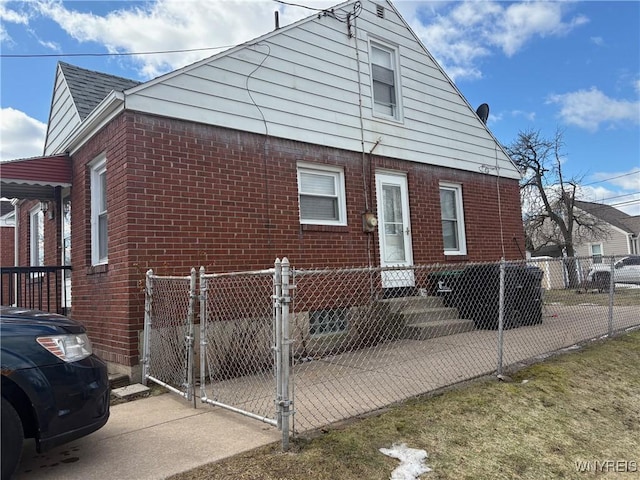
(288, 145)
(622, 239)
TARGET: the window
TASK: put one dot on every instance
(99, 236)
(321, 195)
(596, 252)
(322, 322)
(36, 240)
(384, 81)
(452, 219)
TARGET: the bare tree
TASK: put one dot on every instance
(548, 198)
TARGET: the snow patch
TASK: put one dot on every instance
(411, 461)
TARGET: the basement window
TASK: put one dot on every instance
(328, 321)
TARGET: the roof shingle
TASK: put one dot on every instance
(89, 88)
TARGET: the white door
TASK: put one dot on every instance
(66, 250)
(394, 229)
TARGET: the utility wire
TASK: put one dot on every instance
(104, 54)
(299, 5)
(637, 172)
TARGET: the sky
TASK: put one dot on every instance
(541, 66)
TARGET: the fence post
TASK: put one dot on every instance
(203, 333)
(501, 316)
(286, 401)
(612, 286)
(277, 333)
(190, 338)
(148, 299)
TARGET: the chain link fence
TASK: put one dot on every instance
(237, 342)
(330, 344)
(168, 332)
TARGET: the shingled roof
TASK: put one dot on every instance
(611, 215)
(89, 88)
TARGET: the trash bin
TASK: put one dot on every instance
(443, 284)
(477, 295)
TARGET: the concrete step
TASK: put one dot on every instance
(118, 380)
(438, 328)
(398, 305)
(424, 315)
(131, 392)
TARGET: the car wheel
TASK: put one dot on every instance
(12, 439)
(602, 281)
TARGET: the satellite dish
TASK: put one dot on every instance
(483, 112)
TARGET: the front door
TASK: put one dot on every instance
(394, 229)
(66, 251)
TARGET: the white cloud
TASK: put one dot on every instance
(589, 109)
(460, 34)
(599, 41)
(520, 22)
(172, 25)
(531, 116)
(618, 189)
(20, 135)
(8, 15)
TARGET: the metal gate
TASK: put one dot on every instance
(168, 332)
(243, 341)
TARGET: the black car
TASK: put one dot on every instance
(54, 389)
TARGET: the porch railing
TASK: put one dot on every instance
(39, 288)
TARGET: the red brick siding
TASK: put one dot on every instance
(7, 258)
(183, 195)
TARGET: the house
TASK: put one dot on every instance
(623, 230)
(335, 141)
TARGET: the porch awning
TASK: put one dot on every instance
(34, 178)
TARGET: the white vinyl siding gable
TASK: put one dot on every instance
(63, 117)
(321, 195)
(301, 83)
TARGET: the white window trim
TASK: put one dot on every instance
(601, 254)
(338, 175)
(381, 44)
(98, 166)
(462, 239)
(34, 248)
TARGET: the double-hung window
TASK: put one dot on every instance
(596, 252)
(99, 237)
(452, 219)
(384, 81)
(321, 195)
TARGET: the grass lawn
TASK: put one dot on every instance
(623, 297)
(582, 406)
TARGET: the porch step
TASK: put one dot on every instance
(438, 328)
(422, 315)
(426, 317)
(403, 304)
(118, 380)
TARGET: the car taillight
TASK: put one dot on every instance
(69, 348)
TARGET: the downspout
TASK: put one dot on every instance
(365, 189)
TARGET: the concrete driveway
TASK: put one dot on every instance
(149, 438)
